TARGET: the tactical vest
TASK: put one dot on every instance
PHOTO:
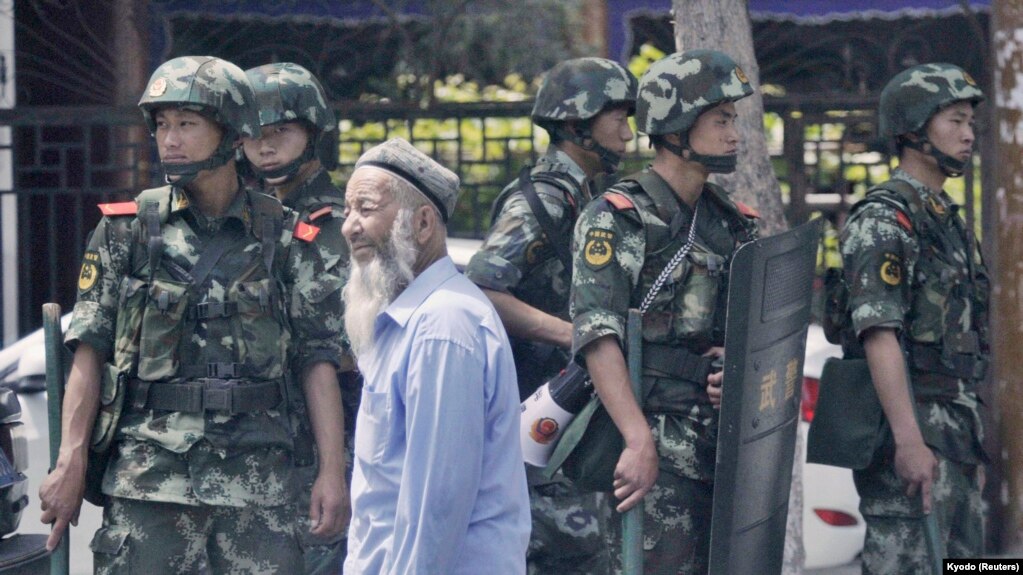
(689, 309)
(559, 233)
(942, 349)
(687, 316)
(165, 306)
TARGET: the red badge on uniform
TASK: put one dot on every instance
(305, 232)
(904, 221)
(118, 208)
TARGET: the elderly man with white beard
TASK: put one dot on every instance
(438, 484)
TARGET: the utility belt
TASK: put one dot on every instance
(674, 378)
(205, 394)
(937, 370)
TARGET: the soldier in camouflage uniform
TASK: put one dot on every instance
(624, 240)
(584, 104)
(917, 286)
(186, 317)
(294, 115)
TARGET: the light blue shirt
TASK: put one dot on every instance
(438, 485)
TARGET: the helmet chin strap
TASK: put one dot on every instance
(288, 170)
(188, 172)
(715, 164)
(950, 166)
(609, 160)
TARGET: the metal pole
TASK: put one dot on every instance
(632, 520)
(935, 546)
(54, 342)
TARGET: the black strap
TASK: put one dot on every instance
(151, 218)
(676, 362)
(215, 248)
(216, 370)
(554, 237)
(231, 396)
(268, 223)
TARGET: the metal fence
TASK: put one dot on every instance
(67, 160)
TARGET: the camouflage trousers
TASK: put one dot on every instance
(895, 529)
(152, 538)
(676, 526)
(322, 555)
(569, 528)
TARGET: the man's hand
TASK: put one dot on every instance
(916, 465)
(330, 507)
(636, 472)
(60, 498)
(715, 380)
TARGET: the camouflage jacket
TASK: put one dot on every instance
(323, 261)
(917, 270)
(624, 239)
(516, 256)
(212, 457)
(622, 246)
(320, 204)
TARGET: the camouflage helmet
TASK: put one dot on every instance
(676, 89)
(209, 86)
(287, 92)
(203, 84)
(581, 88)
(914, 95)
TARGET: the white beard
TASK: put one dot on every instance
(374, 285)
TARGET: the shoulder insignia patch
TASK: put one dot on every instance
(534, 251)
(89, 275)
(747, 211)
(119, 208)
(891, 269)
(319, 213)
(305, 232)
(598, 250)
(904, 220)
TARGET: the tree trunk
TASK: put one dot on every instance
(1007, 293)
(725, 25)
(130, 47)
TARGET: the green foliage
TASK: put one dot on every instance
(485, 152)
(648, 54)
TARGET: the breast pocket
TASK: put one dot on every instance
(372, 426)
(162, 323)
(698, 300)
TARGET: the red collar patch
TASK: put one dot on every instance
(118, 208)
(305, 232)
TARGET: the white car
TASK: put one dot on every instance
(833, 528)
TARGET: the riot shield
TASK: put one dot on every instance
(769, 296)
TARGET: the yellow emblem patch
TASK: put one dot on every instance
(891, 270)
(90, 272)
(969, 79)
(936, 206)
(599, 248)
(158, 87)
(741, 75)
